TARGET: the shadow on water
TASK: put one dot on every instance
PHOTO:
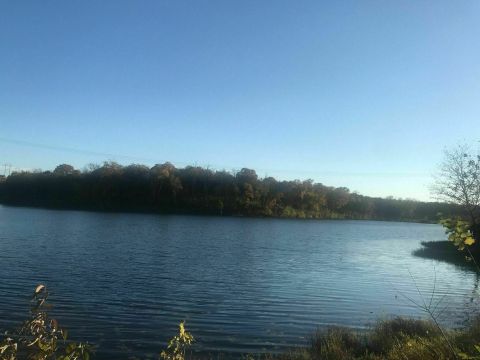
(446, 252)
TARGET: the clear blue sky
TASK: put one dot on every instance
(363, 94)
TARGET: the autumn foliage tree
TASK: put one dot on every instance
(458, 182)
(165, 188)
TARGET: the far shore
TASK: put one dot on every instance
(186, 213)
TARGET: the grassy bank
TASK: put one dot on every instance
(396, 339)
(41, 337)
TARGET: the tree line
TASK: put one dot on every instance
(164, 188)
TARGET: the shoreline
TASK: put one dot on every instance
(153, 212)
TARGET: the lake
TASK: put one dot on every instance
(243, 285)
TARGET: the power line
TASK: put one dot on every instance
(5, 166)
(152, 160)
(71, 150)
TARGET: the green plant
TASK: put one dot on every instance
(40, 337)
(178, 345)
(459, 232)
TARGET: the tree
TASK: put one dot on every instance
(458, 182)
(196, 190)
(64, 169)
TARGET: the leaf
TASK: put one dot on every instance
(469, 241)
(34, 342)
(39, 288)
(44, 346)
(70, 348)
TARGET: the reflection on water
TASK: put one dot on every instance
(124, 281)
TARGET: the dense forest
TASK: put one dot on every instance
(195, 190)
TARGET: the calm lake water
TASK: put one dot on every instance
(124, 281)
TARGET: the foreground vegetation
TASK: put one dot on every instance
(396, 339)
(195, 190)
(41, 338)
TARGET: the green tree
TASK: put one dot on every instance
(64, 169)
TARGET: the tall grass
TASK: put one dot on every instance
(395, 339)
(41, 338)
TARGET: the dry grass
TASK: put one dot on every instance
(396, 339)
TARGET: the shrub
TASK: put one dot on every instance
(178, 345)
(40, 337)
